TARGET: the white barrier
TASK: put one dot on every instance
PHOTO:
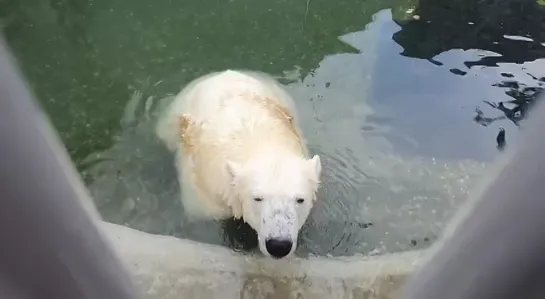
(170, 268)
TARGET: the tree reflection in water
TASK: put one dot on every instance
(513, 30)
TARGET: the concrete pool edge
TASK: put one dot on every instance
(168, 267)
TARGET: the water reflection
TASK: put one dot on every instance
(509, 36)
(466, 24)
(524, 98)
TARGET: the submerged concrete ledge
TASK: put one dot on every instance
(171, 268)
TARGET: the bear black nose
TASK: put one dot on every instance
(278, 248)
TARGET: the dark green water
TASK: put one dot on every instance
(387, 91)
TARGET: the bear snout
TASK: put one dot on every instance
(278, 248)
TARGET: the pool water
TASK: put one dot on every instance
(401, 99)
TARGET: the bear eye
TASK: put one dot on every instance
(258, 199)
(300, 200)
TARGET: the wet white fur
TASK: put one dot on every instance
(240, 141)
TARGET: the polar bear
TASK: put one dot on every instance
(240, 153)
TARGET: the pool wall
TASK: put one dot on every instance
(167, 267)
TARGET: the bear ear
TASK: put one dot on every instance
(316, 165)
(233, 168)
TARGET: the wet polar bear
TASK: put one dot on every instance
(240, 153)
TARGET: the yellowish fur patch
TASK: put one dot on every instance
(186, 126)
(189, 130)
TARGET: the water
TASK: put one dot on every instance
(387, 92)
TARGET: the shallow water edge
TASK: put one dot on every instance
(168, 267)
